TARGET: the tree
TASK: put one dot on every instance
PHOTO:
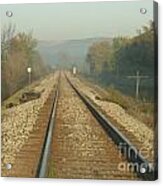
(6, 37)
(135, 53)
(98, 57)
(124, 57)
(19, 52)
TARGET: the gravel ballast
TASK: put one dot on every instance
(143, 134)
(19, 121)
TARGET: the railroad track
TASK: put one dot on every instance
(55, 147)
(144, 169)
(42, 166)
(27, 159)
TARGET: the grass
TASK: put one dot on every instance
(143, 111)
(51, 170)
(14, 99)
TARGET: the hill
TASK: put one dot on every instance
(67, 52)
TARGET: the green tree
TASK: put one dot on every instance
(136, 53)
(98, 57)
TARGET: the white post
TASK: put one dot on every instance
(74, 70)
(29, 70)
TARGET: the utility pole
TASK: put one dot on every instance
(138, 77)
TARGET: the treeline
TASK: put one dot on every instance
(112, 62)
(18, 53)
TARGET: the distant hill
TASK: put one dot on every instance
(67, 52)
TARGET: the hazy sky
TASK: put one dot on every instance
(61, 21)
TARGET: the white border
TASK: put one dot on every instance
(61, 182)
(53, 1)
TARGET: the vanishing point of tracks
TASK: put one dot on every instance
(78, 142)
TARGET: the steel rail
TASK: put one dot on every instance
(134, 157)
(43, 162)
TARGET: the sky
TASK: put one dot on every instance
(64, 21)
